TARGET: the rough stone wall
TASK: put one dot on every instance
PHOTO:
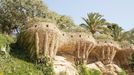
(104, 51)
(45, 39)
(78, 45)
(40, 40)
(123, 56)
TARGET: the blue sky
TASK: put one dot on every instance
(116, 11)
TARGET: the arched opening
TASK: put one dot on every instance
(35, 26)
(71, 35)
(47, 25)
(79, 35)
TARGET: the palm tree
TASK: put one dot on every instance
(130, 36)
(116, 32)
(94, 22)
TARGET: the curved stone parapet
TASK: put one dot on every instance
(78, 45)
(45, 39)
(104, 51)
(123, 56)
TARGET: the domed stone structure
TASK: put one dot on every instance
(40, 40)
(45, 39)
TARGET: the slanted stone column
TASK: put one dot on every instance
(83, 49)
(37, 45)
(109, 54)
(105, 51)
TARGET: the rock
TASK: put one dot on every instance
(109, 69)
(110, 73)
(113, 68)
(101, 66)
(93, 66)
(117, 69)
(62, 66)
(4, 50)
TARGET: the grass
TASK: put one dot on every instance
(15, 66)
(18, 63)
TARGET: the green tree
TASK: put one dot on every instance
(14, 13)
(62, 21)
(94, 22)
(65, 22)
(116, 32)
(129, 36)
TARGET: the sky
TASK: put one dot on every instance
(115, 11)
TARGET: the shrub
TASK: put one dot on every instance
(95, 72)
(83, 70)
(123, 73)
(5, 41)
(1, 73)
(46, 67)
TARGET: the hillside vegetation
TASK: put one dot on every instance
(18, 16)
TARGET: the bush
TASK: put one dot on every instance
(46, 67)
(83, 70)
(5, 41)
(123, 73)
(95, 72)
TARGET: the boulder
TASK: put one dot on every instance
(63, 67)
(93, 66)
(114, 67)
(110, 73)
(117, 68)
(109, 69)
(101, 66)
